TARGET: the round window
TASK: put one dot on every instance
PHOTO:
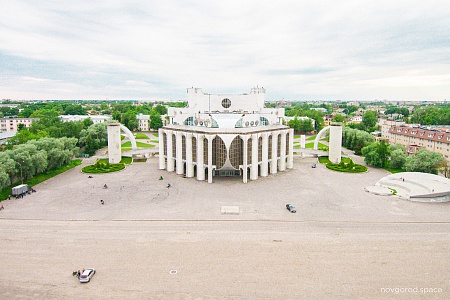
(252, 123)
(246, 123)
(226, 103)
(201, 123)
(256, 123)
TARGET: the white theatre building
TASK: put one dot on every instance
(225, 135)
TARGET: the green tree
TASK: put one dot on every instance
(369, 119)
(7, 164)
(5, 180)
(339, 118)
(160, 109)
(93, 138)
(424, 161)
(87, 122)
(305, 126)
(74, 109)
(156, 122)
(29, 161)
(398, 159)
(294, 124)
(129, 120)
(376, 154)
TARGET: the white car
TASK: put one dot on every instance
(87, 275)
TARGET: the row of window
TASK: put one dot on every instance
(422, 133)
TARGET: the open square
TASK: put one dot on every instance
(342, 243)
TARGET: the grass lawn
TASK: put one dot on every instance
(393, 171)
(311, 145)
(311, 138)
(154, 141)
(155, 134)
(138, 144)
(141, 136)
(5, 192)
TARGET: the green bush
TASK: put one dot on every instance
(346, 165)
(103, 166)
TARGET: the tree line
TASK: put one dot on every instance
(392, 156)
(34, 157)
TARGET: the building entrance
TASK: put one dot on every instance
(227, 173)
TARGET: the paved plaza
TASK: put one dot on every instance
(343, 242)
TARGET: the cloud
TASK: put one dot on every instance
(295, 49)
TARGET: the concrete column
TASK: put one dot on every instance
(273, 163)
(265, 155)
(245, 157)
(283, 151)
(254, 167)
(162, 159)
(170, 162)
(335, 144)
(210, 149)
(189, 164)
(290, 163)
(302, 141)
(114, 149)
(200, 163)
(179, 152)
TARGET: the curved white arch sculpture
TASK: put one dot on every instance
(319, 136)
(129, 135)
(334, 144)
(114, 144)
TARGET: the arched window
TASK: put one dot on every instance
(219, 152)
(236, 152)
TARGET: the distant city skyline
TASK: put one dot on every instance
(154, 50)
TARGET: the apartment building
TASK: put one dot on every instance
(414, 138)
(11, 124)
(95, 119)
(143, 122)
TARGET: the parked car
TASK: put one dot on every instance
(291, 208)
(87, 275)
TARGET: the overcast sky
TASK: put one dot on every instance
(296, 50)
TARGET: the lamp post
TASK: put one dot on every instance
(21, 172)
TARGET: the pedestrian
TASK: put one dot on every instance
(102, 202)
(168, 185)
(9, 197)
(2, 208)
(160, 178)
(105, 186)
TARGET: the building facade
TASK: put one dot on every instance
(414, 138)
(11, 124)
(143, 122)
(94, 118)
(225, 135)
